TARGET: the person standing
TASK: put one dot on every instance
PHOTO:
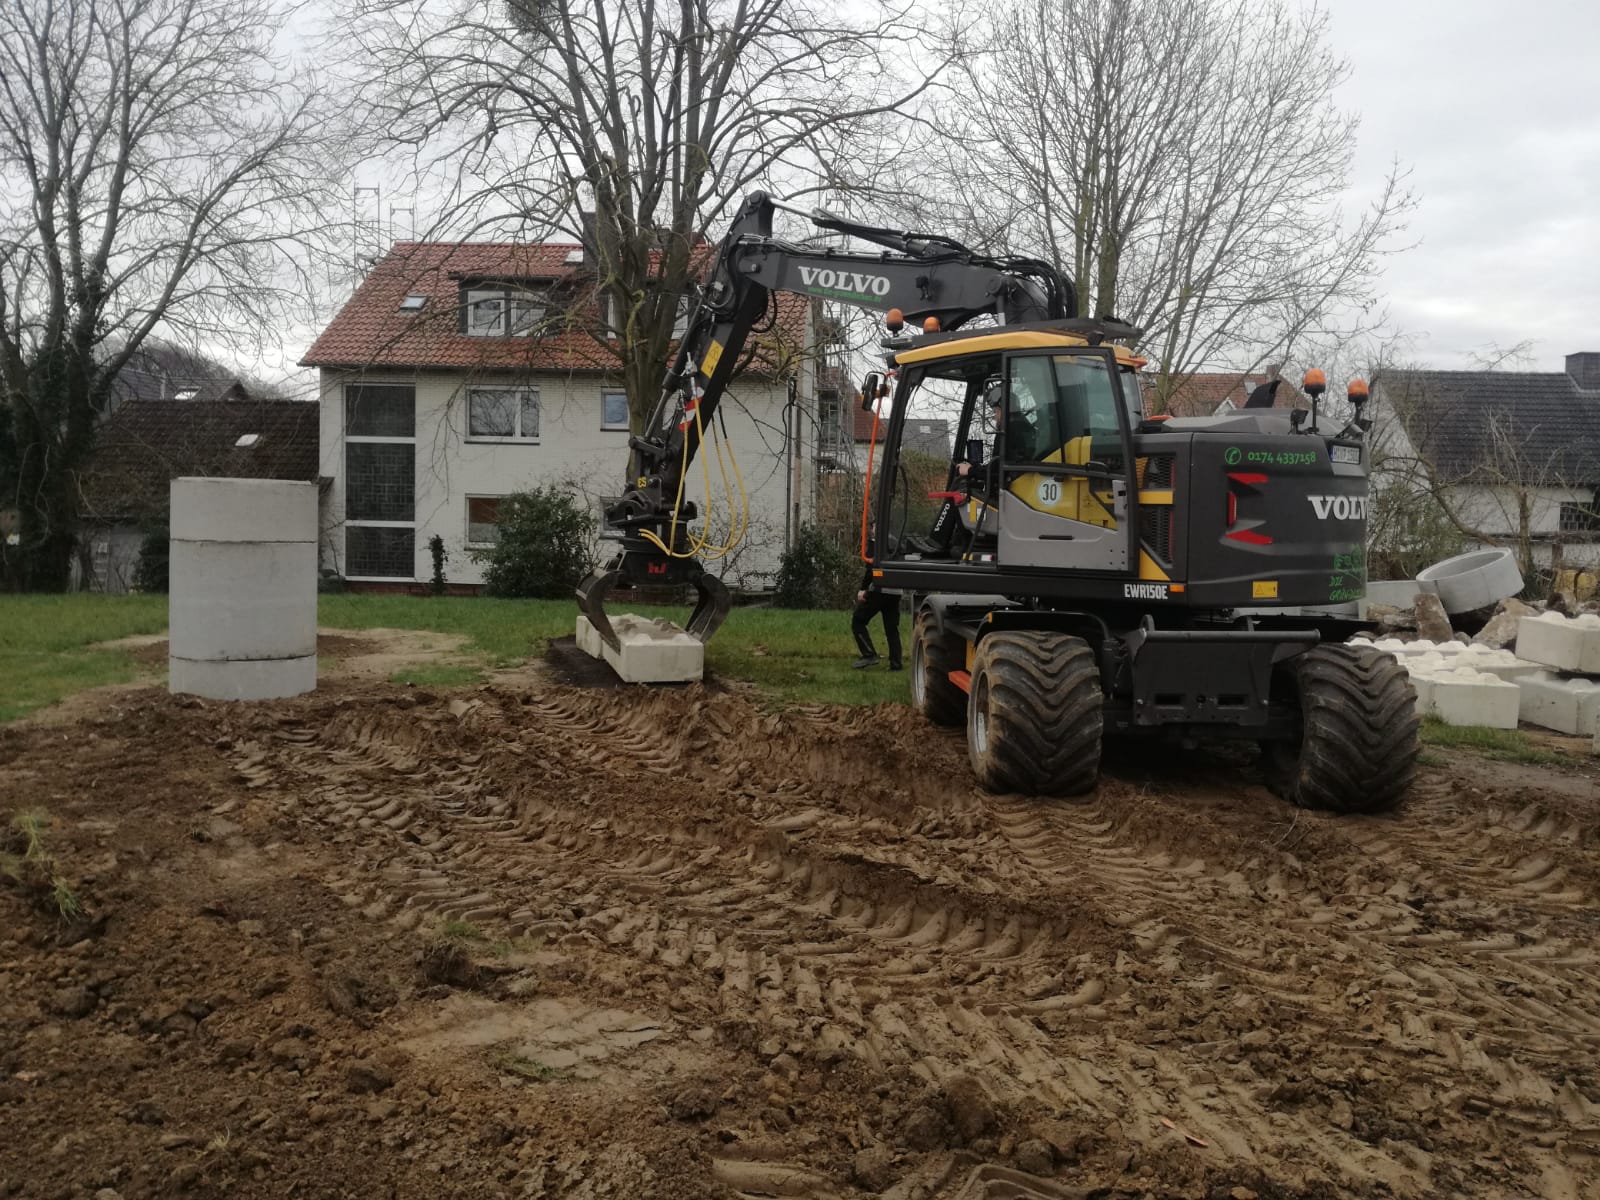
(871, 601)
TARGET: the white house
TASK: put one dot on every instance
(1514, 455)
(460, 373)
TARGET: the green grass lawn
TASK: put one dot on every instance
(797, 656)
(1507, 745)
(43, 639)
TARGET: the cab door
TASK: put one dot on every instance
(1067, 500)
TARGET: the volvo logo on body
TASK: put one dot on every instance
(1340, 508)
(845, 281)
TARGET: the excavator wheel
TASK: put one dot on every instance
(934, 654)
(1358, 744)
(1034, 716)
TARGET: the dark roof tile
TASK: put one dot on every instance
(1480, 425)
(145, 444)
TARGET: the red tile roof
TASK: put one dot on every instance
(371, 331)
(1198, 395)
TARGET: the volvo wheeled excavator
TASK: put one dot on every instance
(1091, 571)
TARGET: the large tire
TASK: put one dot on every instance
(934, 654)
(1034, 717)
(1358, 742)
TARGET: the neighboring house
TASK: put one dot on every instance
(1209, 394)
(1512, 455)
(845, 430)
(160, 372)
(145, 444)
(459, 373)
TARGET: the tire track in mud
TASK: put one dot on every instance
(832, 876)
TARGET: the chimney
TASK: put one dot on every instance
(586, 221)
(1584, 370)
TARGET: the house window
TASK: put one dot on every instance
(503, 414)
(504, 312)
(379, 552)
(380, 410)
(483, 520)
(1580, 518)
(614, 410)
(380, 481)
(829, 430)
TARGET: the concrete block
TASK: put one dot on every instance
(1567, 705)
(1423, 683)
(1404, 650)
(263, 679)
(237, 600)
(243, 510)
(1502, 664)
(653, 651)
(1462, 696)
(1565, 643)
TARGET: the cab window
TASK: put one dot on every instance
(1055, 399)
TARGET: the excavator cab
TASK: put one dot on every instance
(1041, 475)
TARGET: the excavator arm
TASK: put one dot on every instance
(925, 276)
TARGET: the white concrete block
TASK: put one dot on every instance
(1565, 643)
(243, 510)
(589, 638)
(1462, 696)
(237, 600)
(263, 679)
(1423, 683)
(1567, 705)
(1404, 650)
(653, 651)
(1502, 664)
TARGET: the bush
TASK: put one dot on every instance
(544, 547)
(817, 572)
(150, 573)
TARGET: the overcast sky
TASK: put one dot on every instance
(1496, 107)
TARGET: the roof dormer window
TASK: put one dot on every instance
(504, 311)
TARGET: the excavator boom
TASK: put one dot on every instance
(927, 277)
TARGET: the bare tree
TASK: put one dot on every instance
(656, 114)
(158, 167)
(1180, 159)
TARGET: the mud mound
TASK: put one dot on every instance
(578, 942)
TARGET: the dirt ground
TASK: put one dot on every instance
(535, 940)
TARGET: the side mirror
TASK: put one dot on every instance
(974, 451)
(871, 388)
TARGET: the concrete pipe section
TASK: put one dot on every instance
(1478, 579)
(242, 607)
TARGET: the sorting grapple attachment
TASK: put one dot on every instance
(644, 568)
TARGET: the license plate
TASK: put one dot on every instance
(1345, 454)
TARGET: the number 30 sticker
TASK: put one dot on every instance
(1049, 491)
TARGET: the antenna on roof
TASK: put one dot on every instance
(355, 223)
